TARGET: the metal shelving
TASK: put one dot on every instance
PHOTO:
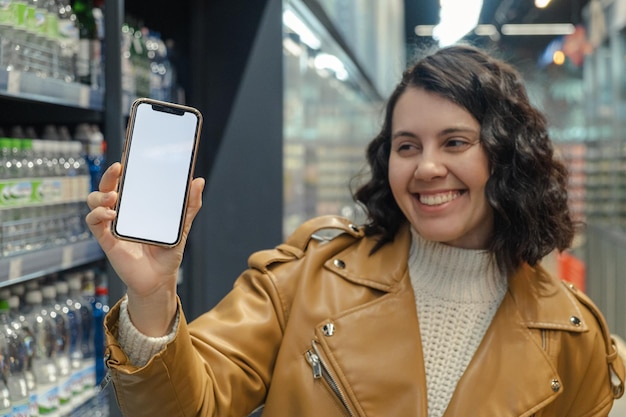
(29, 265)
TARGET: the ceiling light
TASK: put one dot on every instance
(542, 4)
(424, 30)
(456, 19)
(331, 62)
(558, 57)
(545, 29)
(306, 35)
(551, 29)
(486, 30)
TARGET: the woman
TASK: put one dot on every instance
(437, 306)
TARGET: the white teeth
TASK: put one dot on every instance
(437, 199)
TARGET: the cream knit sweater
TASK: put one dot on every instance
(457, 293)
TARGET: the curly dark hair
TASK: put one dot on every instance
(527, 185)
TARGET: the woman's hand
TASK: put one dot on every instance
(149, 271)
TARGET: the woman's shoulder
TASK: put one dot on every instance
(334, 232)
(547, 302)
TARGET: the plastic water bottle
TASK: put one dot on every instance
(43, 365)
(75, 336)
(5, 401)
(58, 313)
(93, 148)
(22, 327)
(15, 359)
(101, 308)
(85, 310)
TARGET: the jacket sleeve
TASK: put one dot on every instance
(218, 365)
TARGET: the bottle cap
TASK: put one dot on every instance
(74, 281)
(34, 297)
(102, 290)
(14, 302)
(62, 287)
(48, 292)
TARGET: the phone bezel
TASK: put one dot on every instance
(174, 107)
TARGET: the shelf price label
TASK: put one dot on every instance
(15, 268)
(84, 95)
(68, 257)
(13, 83)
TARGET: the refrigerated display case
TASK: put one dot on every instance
(333, 107)
(43, 233)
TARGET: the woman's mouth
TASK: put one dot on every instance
(439, 198)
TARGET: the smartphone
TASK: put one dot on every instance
(157, 168)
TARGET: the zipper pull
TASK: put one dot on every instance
(104, 383)
(315, 363)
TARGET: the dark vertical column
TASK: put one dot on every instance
(113, 120)
(113, 115)
(236, 81)
(113, 126)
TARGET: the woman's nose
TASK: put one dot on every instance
(430, 167)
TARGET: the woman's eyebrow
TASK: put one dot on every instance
(400, 133)
(444, 132)
(452, 130)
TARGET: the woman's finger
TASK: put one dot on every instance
(110, 178)
(98, 199)
(193, 205)
(99, 222)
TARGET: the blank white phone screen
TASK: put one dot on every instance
(156, 173)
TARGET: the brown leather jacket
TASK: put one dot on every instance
(320, 328)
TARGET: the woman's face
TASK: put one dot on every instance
(438, 170)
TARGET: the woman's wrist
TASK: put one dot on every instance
(153, 315)
(138, 347)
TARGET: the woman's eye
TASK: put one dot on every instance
(406, 147)
(456, 143)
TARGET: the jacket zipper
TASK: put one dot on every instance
(106, 380)
(321, 370)
(104, 383)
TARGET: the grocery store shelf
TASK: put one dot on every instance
(34, 264)
(27, 85)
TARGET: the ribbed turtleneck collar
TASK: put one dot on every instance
(455, 274)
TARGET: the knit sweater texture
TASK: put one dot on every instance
(457, 293)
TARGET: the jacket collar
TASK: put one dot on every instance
(383, 270)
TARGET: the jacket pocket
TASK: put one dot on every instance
(322, 372)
